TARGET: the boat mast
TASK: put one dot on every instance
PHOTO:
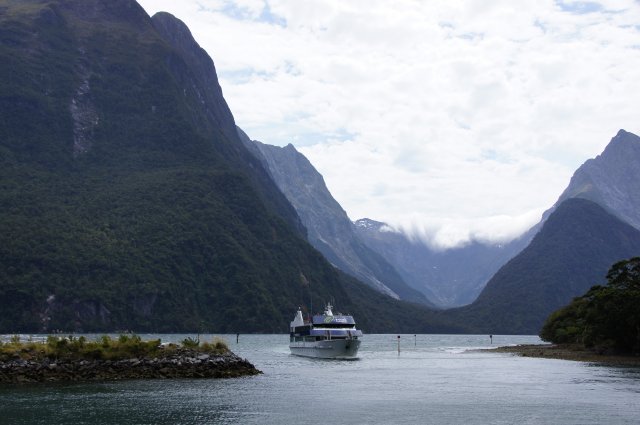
(327, 310)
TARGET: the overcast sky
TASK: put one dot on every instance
(454, 120)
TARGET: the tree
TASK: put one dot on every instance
(606, 318)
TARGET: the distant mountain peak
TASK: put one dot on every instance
(624, 141)
(572, 252)
(371, 225)
(102, 11)
(177, 29)
(611, 179)
(624, 133)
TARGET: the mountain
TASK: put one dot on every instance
(455, 277)
(574, 249)
(450, 278)
(611, 179)
(128, 201)
(329, 228)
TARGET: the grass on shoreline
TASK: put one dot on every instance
(104, 348)
(573, 352)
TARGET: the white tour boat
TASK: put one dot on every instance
(325, 336)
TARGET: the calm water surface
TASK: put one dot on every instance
(434, 380)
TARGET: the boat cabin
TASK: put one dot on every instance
(326, 326)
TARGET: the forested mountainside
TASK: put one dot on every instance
(572, 252)
(127, 200)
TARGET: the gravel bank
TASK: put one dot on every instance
(567, 352)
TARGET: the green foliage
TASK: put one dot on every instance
(72, 348)
(191, 342)
(566, 325)
(606, 318)
(103, 348)
(217, 345)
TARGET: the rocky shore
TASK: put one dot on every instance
(180, 363)
(567, 352)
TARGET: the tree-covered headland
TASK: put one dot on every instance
(605, 319)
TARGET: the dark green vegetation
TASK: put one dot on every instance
(572, 251)
(105, 348)
(127, 200)
(606, 318)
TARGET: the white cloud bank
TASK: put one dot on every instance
(456, 120)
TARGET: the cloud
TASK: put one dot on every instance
(462, 119)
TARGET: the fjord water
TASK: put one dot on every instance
(434, 379)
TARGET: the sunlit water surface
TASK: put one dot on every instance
(434, 379)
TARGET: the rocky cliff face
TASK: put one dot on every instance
(329, 229)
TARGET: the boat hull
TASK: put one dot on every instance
(327, 349)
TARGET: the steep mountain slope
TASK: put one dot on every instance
(573, 251)
(329, 229)
(612, 179)
(449, 278)
(455, 277)
(127, 200)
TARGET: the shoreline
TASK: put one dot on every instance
(566, 352)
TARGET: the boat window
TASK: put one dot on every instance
(337, 325)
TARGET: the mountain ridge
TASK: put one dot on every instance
(329, 228)
(450, 278)
(127, 201)
(574, 249)
(611, 179)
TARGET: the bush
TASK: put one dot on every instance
(218, 346)
(104, 348)
(191, 343)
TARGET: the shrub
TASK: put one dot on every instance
(191, 343)
(103, 348)
(218, 346)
